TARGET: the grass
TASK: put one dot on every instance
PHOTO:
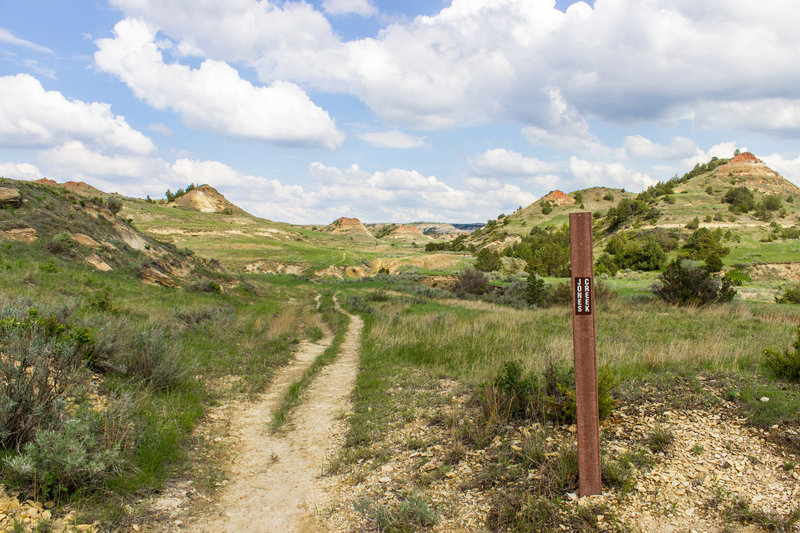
(338, 323)
(227, 343)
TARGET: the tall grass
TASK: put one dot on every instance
(411, 344)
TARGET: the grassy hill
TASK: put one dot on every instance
(246, 243)
(711, 196)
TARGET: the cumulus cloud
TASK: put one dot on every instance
(20, 171)
(125, 173)
(400, 195)
(214, 96)
(776, 116)
(785, 165)
(365, 8)
(678, 148)
(392, 139)
(35, 118)
(503, 162)
(613, 174)
(478, 60)
(723, 149)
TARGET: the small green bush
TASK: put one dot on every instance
(660, 439)
(515, 395)
(114, 205)
(409, 514)
(41, 365)
(470, 282)
(682, 283)
(737, 277)
(789, 295)
(536, 293)
(488, 260)
(741, 199)
(784, 364)
(71, 458)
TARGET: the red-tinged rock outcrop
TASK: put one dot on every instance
(351, 227)
(745, 157)
(558, 198)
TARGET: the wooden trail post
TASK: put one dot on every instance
(583, 338)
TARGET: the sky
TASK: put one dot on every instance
(393, 111)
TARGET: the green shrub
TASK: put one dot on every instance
(771, 202)
(737, 277)
(70, 458)
(713, 263)
(684, 284)
(784, 364)
(741, 199)
(42, 364)
(536, 293)
(693, 224)
(151, 355)
(547, 208)
(470, 281)
(114, 204)
(60, 243)
(789, 295)
(515, 395)
(660, 439)
(409, 514)
(488, 260)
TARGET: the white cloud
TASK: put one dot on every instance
(678, 148)
(480, 60)
(214, 97)
(365, 8)
(158, 127)
(786, 166)
(392, 139)
(607, 174)
(128, 173)
(724, 149)
(20, 171)
(33, 117)
(778, 116)
(9, 38)
(399, 195)
(503, 162)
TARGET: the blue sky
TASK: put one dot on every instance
(392, 111)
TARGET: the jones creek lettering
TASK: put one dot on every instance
(583, 296)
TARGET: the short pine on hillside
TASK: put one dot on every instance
(682, 283)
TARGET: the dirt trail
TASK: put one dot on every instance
(275, 480)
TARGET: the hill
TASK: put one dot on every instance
(206, 199)
(54, 224)
(352, 228)
(748, 210)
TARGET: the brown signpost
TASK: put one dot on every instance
(583, 338)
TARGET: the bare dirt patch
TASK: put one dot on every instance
(274, 481)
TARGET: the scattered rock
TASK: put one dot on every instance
(20, 234)
(85, 240)
(9, 197)
(151, 276)
(98, 263)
